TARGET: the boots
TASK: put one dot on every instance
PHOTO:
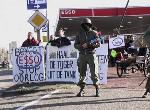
(145, 94)
(81, 92)
(97, 90)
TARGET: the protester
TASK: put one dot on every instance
(51, 40)
(62, 40)
(113, 57)
(87, 55)
(120, 56)
(30, 41)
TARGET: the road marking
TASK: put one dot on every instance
(36, 101)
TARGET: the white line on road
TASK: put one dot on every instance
(36, 101)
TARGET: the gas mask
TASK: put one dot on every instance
(85, 26)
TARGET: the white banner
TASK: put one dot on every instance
(61, 64)
(116, 42)
(28, 64)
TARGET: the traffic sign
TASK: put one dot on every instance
(36, 4)
(37, 20)
(44, 28)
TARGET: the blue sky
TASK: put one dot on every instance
(14, 15)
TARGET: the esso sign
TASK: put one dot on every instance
(68, 12)
(29, 59)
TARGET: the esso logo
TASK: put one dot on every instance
(68, 12)
(30, 59)
(117, 41)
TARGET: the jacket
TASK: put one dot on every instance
(29, 42)
(86, 37)
(60, 42)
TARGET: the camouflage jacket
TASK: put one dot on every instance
(86, 37)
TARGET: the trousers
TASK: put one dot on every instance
(92, 61)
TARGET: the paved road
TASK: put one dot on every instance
(119, 94)
(5, 78)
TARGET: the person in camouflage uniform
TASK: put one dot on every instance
(86, 43)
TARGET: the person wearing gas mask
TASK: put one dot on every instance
(86, 42)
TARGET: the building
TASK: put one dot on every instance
(135, 21)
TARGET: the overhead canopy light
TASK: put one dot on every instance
(140, 17)
(121, 26)
(129, 22)
(65, 28)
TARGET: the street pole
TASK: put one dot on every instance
(38, 35)
(125, 10)
(47, 27)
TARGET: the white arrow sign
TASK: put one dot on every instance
(37, 6)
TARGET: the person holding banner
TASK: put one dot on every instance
(62, 40)
(86, 42)
(30, 41)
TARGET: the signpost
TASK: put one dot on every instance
(37, 20)
(36, 4)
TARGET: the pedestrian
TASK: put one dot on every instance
(30, 41)
(87, 55)
(147, 87)
(5, 63)
(62, 40)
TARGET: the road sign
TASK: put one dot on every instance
(37, 20)
(44, 28)
(36, 4)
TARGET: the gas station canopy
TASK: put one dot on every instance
(136, 20)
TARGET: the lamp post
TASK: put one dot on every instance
(125, 10)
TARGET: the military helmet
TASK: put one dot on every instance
(86, 21)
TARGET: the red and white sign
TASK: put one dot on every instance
(75, 12)
(131, 11)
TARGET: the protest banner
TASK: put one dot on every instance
(61, 64)
(116, 42)
(28, 64)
